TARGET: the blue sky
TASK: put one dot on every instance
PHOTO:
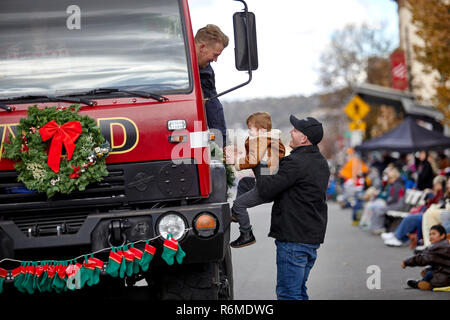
(291, 35)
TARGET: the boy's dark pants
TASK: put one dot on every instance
(247, 197)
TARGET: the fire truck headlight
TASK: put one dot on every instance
(171, 223)
(176, 125)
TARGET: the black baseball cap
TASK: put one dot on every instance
(310, 127)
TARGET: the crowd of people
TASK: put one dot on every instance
(296, 184)
(375, 188)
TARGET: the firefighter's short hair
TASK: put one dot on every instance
(211, 34)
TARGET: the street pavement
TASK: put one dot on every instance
(352, 264)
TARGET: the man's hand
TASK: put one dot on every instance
(403, 265)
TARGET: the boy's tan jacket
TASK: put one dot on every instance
(267, 147)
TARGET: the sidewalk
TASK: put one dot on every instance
(341, 270)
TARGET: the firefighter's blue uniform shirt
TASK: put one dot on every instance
(214, 109)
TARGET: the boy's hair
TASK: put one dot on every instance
(439, 229)
(261, 120)
(211, 34)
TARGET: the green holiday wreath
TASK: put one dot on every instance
(217, 153)
(38, 149)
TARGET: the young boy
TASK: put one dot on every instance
(262, 145)
(437, 255)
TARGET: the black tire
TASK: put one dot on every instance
(203, 281)
(226, 289)
(189, 282)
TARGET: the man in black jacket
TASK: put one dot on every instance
(299, 212)
(210, 41)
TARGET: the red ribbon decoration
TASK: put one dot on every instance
(65, 134)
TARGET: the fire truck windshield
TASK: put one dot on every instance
(52, 47)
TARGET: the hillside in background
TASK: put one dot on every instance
(236, 112)
(327, 108)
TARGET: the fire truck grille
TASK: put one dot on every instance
(15, 197)
(128, 184)
(41, 225)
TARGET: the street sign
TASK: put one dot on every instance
(357, 109)
(357, 125)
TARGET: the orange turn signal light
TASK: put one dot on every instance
(205, 225)
(177, 138)
(205, 221)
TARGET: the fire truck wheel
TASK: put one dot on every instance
(189, 282)
(226, 291)
(204, 281)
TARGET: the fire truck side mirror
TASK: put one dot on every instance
(246, 52)
(245, 48)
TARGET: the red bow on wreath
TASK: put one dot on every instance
(65, 134)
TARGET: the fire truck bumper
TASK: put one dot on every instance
(103, 230)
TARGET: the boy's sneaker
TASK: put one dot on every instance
(424, 285)
(387, 236)
(419, 284)
(245, 239)
(413, 284)
(393, 242)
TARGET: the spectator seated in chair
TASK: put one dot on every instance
(410, 227)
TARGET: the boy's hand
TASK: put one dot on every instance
(403, 265)
(230, 154)
(229, 160)
(423, 272)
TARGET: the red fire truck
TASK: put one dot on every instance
(132, 66)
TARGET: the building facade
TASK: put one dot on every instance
(421, 84)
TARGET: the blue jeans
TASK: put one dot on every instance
(445, 220)
(428, 276)
(294, 262)
(359, 205)
(408, 225)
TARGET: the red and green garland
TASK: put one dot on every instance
(38, 150)
(59, 276)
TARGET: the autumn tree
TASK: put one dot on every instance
(432, 19)
(347, 60)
